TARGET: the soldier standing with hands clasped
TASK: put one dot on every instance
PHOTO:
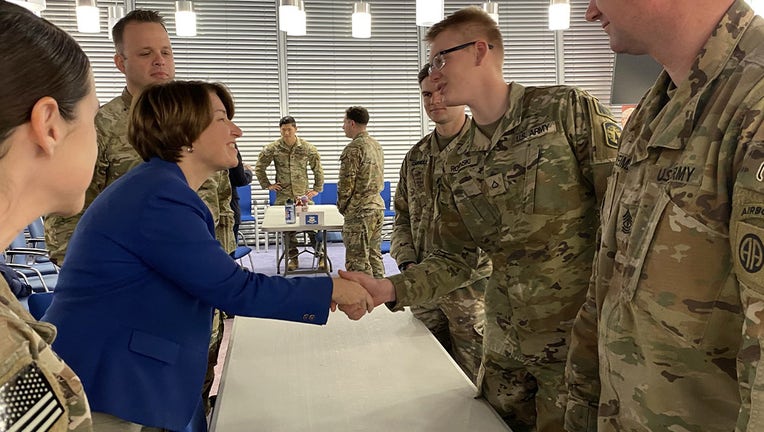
(291, 156)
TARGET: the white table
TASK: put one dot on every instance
(385, 372)
(273, 221)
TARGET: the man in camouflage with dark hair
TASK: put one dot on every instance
(362, 170)
(291, 156)
(457, 318)
(144, 55)
(523, 184)
(678, 284)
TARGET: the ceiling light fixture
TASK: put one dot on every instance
(492, 9)
(361, 20)
(428, 12)
(88, 16)
(185, 19)
(559, 14)
(36, 6)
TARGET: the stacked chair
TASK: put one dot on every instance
(31, 262)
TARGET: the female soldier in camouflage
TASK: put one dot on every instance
(47, 153)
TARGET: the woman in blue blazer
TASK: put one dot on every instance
(143, 272)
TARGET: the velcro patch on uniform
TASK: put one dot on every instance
(495, 184)
(28, 403)
(464, 163)
(755, 210)
(535, 131)
(612, 133)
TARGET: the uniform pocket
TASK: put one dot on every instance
(554, 184)
(676, 271)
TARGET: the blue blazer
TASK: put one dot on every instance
(134, 301)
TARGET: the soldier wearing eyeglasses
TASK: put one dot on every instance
(523, 184)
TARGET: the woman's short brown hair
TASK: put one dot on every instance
(167, 117)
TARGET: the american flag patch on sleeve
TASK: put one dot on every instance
(28, 403)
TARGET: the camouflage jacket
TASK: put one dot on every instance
(528, 197)
(655, 345)
(421, 171)
(291, 163)
(33, 378)
(361, 177)
(115, 158)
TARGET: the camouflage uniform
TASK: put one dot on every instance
(27, 358)
(115, 158)
(457, 318)
(362, 166)
(291, 163)
(655, 345)
(528, 197)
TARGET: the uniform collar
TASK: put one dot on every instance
(127, 98)
(678, 109)
(474, 140)
(429, 143)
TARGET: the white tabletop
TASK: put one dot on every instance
(385, 372)
(273, 220)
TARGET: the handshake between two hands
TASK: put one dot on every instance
(357, 293)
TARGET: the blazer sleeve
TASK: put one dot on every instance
(175, 241)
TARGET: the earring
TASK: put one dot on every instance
(190, 149)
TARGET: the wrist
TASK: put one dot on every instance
(404, 265)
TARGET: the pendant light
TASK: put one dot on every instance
(88, 17)
(287, 13)
(185, 19)
(361, 20)
(298, 26)
(36, 6)
(116, 13)
(492, 9)
(428, 12)
(559, 14)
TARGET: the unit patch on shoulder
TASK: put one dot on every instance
(612, 133)
(751, 253)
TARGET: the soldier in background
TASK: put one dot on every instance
(361, 180)
(457, 318)
(144, 55)
(657, 345)
(291, 156)
(523, 184)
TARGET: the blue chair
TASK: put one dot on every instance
(271, 197)
(38, 303)
(329, 194)
(245, 205)
(37, 234)
(34, 264)
(387, 198)
(385, 246)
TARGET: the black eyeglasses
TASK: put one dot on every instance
(439, 62)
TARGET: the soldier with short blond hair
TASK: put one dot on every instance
(523, 184)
